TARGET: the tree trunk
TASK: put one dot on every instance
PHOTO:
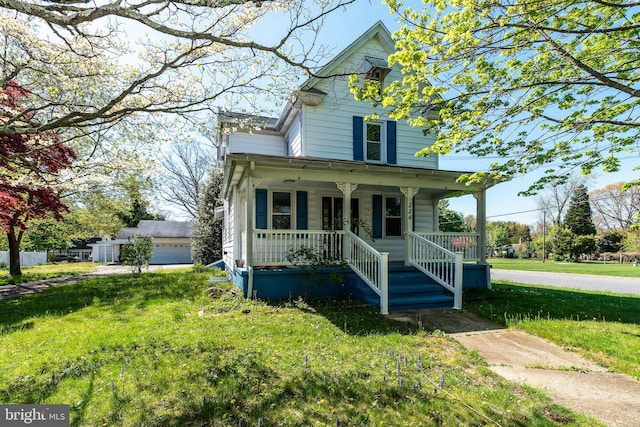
(14, 252)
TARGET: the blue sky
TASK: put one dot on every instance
(503, 202)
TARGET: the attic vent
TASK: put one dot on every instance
(378, 69)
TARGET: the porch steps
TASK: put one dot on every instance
(409, 289)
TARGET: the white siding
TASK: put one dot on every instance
(327, 128)
(257, 143)
(293, 138)
(396, 246)
(423, 213)
(228, 231)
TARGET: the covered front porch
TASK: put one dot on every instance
(271, 274)
(374, 218)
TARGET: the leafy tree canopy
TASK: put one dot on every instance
(27, 183)
(549, 84)
(448, 219)
(518, 233)
(137, 253)
(183, 56)
(611, 241)
(497, 234)
(115, 79)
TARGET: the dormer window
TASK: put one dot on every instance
(378, 70)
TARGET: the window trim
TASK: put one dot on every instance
(273, 214)
(399, 217)
(383, 141)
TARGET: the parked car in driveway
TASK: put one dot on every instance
(63, 257)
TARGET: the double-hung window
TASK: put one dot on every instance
(281, 210)
(375, 141)
(386, 218)
(393, 216)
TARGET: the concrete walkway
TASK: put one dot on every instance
(567, 378)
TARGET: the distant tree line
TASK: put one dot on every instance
(575, 224)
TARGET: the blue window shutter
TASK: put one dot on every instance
(261, 208)
(358, 138)
(302, 211)
(376, 229)
(391, 143)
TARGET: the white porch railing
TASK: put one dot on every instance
(443, 265)
(271, 247)
(467, 243)
(372, 267)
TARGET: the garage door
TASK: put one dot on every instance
(171, 254)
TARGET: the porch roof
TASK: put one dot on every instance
(441, 182)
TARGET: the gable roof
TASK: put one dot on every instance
(377, 30)
(150, 228)
(307, 93)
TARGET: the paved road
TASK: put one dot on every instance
(621, 285)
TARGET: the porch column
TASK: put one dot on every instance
(248, 262)
(346, 188)
(409, 193)
(481, 214)
(235, 217)
(436, 215)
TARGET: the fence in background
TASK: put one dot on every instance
(26, 258)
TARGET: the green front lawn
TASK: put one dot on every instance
(155, 350)
(45, 271)
(603, 327)
(611, 268)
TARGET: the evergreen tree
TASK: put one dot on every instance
(579, 229)
(579, 218)
(207, 230)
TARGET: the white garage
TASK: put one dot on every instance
(171, 242)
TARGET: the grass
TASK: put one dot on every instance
(155, 350)
(611, 268)
(46, 271)
(603, 327)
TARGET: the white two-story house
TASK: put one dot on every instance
(324, 178)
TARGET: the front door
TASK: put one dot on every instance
(333, 214)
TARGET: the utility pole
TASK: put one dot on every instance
(544, 235)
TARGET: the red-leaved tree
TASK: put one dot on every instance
(29, 165)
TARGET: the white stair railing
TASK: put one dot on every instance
(467, 243)
(442, 265)
(372, 267)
